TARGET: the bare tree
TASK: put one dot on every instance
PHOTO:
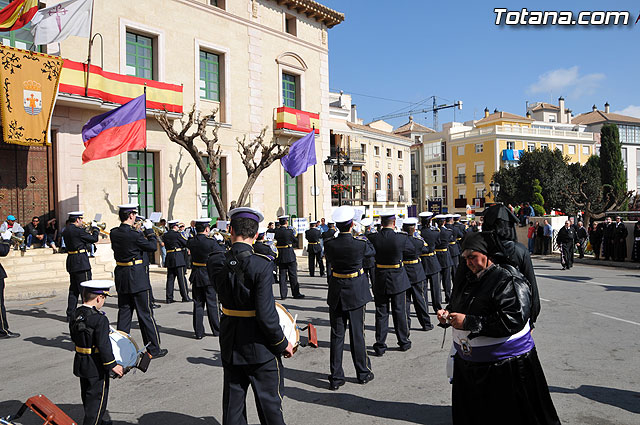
(256, 155)
(596, 206)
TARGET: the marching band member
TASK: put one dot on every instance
(430, 262)
(94, 360)
(175, 242)
(391, 284)
(285, 239)
(251, 339)
(454, 247)
(5, 248)
(145, 257)
(369, 263)
(444, 254)
(459, 231)
(347, 297)
(415, 273)
(204, 294)
(130, 277)
(78, 265)
(314, 249)
(267, 247)
(326, 235)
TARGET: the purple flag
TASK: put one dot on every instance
(301, 155)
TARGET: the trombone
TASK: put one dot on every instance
(101, 228)
(159, 231)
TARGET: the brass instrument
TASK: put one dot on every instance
(17, 240)
(159, 231)
(101, 228)
(225, 235)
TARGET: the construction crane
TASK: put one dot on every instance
(435, 108)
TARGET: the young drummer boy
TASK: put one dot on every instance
(94, 358)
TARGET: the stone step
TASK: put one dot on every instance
(48, 287)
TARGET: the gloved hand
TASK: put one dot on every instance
(94, 224)
(6, 235)
(148, 224)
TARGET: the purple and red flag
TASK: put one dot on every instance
(112, 133)
(302, 155)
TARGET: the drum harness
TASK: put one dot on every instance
(78, 327)
(236, 276)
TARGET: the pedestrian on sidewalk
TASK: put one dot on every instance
(620, 234)
(539, 238)
(595, 237)
(5, 247)
(566, 240)
(582, 236)
(635, 254)
(607, 239)
(548, 235)
(531, 237)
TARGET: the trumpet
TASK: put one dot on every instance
(159, 231)
(17, 240)
(101, 228)
(225, 235)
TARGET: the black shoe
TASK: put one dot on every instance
(427, 328)
(405, 347)
(366, 379)
(154, 305)
(298, 297)
(378, 352)
(188, 300)
(333, 386)
(169, 301)
(163, 352)
(9, 334)
(199, 336)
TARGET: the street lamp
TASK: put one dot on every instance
(338, 170)
(495, 189)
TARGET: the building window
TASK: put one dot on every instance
(531, 147)
(544, 146)
(217, 3)
(479, 147)
(289, 90)
(290, 25)
(560, 147)
(511, 145)
(462, 193)
(572, 149)
(376, 150)
(479, 177)
(585, 150)
(480, 192)
(388, 153)
(413, 162)
(363, 148)
(290, 195)
(460, 151)
(389, 187)
(435, 191)
(399, 154)
(376, 181)
(22, 38)
(207, 206)
(140, 56)
(364, 185)
(209, 76)
(141, 181)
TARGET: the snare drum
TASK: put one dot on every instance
(288, 325)
(125, 349)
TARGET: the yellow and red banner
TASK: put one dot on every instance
(29, 83)
(17, 14)
(293, 119)
(118, 88)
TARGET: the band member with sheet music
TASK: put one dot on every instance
(251, 339)
(176, 243)
(76, 239)
(204, 294)
(130, 277)
(347, 298)
(415, 273)
(314, 248)
(430, 262)
(287, 263)
(94, 360)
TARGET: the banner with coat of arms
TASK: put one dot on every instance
(28, 89)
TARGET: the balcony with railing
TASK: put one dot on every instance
(461, 179)
(355, 155)
(295, 123)
(538, 133)
(478, 178)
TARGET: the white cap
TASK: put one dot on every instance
(366, 222)
(425, 214)
(98, 286)
(205, 220)
(173, 222)
(440, 216)
(128, 207)
(411, 221)
(388, 214)
(331, 221)
(76, 213)
(246, 212)
(140, 218)
(455, 215)
(283, 217)
(343, 214)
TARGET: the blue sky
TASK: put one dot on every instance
(410, 50)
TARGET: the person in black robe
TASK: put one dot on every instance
(635, 254)
(566, 239)
(498, 378)
(595, 237)
(607, 239)
(619, 242)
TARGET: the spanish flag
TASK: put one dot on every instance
(17, 14)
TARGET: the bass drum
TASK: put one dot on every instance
(288, 325)
(124, 348)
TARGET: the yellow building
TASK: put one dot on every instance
(244, 58)
(478, 149)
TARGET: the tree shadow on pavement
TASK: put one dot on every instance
(392, 410)
(40, 313)
(172, 418)
(61, 341)
(623, 399)
(214, 360)
(633, 289)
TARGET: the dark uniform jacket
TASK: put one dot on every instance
(566, 235)
(596, 235)
(346, 254)
(442, 247)
(201, 247)
(459, 230)
(313, 236)
(90, 331)
(430, 261)
(411, 258)
(285, 240)
(389, 246)
(330, 233)
(128, 245)
(620, 232)
(369, 262)
(581, 234)
(246, 340)
(607, 232)
(174, 243)
(76, 239)
(267, 248)
(454, 247)
(4, 250)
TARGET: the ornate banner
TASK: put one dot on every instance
(29, 83)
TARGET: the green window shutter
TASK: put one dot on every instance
(139, 56)
(289, 89)
(209, 76)
(141, 182)
(208, 207)
(291, 195)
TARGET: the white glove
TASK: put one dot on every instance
(6, 235)
(94, 224)
(148, 224)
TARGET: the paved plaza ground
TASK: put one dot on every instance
(587, 338)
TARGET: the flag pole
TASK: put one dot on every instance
(86, 82)
(146, 191)
(315, 185)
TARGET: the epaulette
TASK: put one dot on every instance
(267, 257)
(184, 237)
(361, 238)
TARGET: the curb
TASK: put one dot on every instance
(627, 264)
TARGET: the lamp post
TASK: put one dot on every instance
(338, 170)
(495, 189)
